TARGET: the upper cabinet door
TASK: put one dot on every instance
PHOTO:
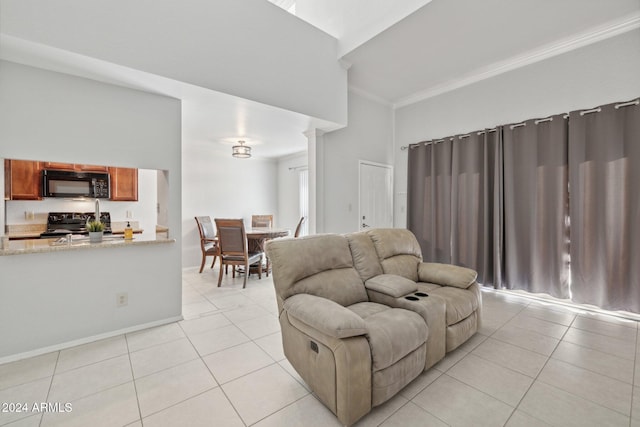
(24, 180)
(75, 167)
(124, 184)
(91, 168)
(58, 166)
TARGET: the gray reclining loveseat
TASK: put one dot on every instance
(355, 326)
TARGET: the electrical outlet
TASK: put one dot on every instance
(129, 214)
(122, 299)
(29, 215)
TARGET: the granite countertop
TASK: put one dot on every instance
(30, 246)
(26, 231)
(121, 231)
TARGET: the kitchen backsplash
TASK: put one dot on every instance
(144, 211)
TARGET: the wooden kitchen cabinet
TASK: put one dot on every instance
(92, 168)
(22, 180)
(124, 184)
(75, 167)
(58, 166)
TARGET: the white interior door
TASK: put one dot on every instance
(376, 195)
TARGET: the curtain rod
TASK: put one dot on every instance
(537, 121)
(623, 104)
(295, 168)
(627, 104)
(595, 110)
(516, 125)
(483, 132)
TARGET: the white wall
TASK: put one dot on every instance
(289, 189)
(56, 298)
(218, 185)
(144, 210)
(249, 48)
(368, 136)
(593, 75)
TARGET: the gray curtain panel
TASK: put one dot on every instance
(604, 164)
(429, 198)
(536, 207)
(476, 228)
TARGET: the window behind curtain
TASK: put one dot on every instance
(604, 164)
(544, 173)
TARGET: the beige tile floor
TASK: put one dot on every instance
(531, 364)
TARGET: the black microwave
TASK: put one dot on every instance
(75, 184)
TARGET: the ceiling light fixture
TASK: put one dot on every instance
(241, 151)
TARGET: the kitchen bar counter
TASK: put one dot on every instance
(25, 231)
(31, 246)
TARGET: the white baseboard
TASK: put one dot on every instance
(85, 340)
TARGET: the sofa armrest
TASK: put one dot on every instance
(446, 274)
(325, 315)
(391, 284)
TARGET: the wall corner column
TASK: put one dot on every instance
(315, 150)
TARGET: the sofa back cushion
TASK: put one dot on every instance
(319, 265)
(398, 251)
(365, 257)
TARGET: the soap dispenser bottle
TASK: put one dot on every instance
(128, 232)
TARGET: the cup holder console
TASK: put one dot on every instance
(415, 296)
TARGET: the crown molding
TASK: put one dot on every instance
(368, 95)
(313, 133)
(345, 64)
(585, 38)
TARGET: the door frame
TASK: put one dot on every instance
(377, 164)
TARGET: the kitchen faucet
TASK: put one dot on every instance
(97, 213)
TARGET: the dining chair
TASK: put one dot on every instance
(299, 226)
(265, 221)
(232, 239)
(208, 241)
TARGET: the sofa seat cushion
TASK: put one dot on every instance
(460, 303)
(393, 333)
(367, 309)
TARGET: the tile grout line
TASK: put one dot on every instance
(55, 367)
(538, 375)
(469, 385)
(515, 408)
(283, 408)
(133, 379)
(276, 362)
(213, 376)
(598, 373)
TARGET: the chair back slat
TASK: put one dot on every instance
(205, 227)
(265, 221)
(232, 236)
(299, 227)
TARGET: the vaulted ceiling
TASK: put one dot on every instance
(397, 51)
(449, 43)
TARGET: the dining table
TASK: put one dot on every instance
(258, 236)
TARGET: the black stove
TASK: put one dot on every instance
(63, 223)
